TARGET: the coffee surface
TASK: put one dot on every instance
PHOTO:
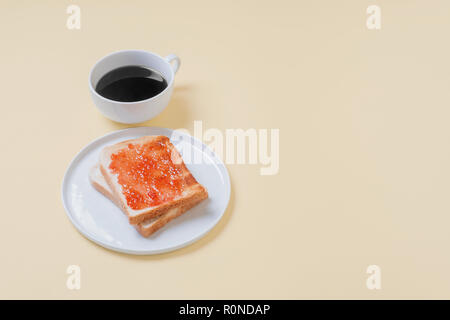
(131, 83)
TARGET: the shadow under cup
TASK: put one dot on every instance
(139, 111)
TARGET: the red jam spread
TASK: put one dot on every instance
(147, 174)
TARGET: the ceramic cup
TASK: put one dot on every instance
(139, 111)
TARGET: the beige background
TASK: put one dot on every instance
(364, 140)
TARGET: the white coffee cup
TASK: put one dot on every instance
(139, 111)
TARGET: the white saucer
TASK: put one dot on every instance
(98, 219)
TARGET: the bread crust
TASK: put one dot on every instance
(193, 188)
(169, 216)
(160, 215)
(160, 221)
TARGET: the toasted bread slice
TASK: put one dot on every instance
(148, 178)
(147, 227)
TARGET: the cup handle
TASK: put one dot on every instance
(174, 61)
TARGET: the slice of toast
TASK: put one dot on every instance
(149, 226)
(148, 178)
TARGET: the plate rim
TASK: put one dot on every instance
(92, 238)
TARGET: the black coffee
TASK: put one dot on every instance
(131, 83)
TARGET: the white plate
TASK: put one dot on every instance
(97, 218)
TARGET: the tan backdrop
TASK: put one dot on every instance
(364, 146)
